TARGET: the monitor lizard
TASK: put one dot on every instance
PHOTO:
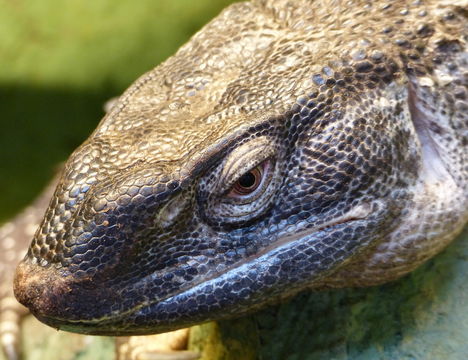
(288, 145)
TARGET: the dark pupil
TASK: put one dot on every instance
(247, 180)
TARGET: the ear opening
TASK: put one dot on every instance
(426, 125)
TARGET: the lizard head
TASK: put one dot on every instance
(251, 165)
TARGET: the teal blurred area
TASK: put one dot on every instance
(60, 61)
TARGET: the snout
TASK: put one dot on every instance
(57, 299)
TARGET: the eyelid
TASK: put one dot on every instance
(217, 207)
(243, 159)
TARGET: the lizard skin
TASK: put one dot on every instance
(15, 236)
(354, 123)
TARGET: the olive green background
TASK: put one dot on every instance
(60, 60)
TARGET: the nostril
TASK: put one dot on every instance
(168, 214)
(56, 298)
(31, 284)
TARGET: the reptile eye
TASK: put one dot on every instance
(243, 185)
(249, 182)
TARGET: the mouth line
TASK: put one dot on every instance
(357, 213)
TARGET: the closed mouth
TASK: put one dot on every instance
(105, 324)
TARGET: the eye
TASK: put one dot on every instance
(243, 185)
(249, 182)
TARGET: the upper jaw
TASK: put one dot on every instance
(56, 298)
(281, 270)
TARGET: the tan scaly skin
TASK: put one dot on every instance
(288, 145)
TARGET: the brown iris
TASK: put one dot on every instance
(247, 183)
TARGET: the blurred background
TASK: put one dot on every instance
(60, 61)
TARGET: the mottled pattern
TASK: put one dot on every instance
(357, 110)
(14, 237)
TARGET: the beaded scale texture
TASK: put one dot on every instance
(354, 116)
